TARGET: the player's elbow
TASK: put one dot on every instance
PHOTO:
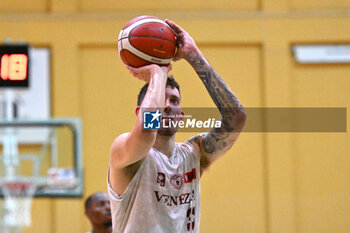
(241, 118)
(129, 148)
(236, 122)
(140, 142)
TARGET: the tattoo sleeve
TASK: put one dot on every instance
(231, 110)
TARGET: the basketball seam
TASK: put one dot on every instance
(146, 36)
(125, 57)
(121, 44)
(147, 53)
(147, 21)
(137, 24)
(140, 54)
(164, 60)
(165, 24)
(121, 39)
(151, 37)
(135, 56)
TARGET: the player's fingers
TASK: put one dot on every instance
(177, 29)
(143, 78)
(130, 69)
(136, 69)
(138, 72)
(169, 67)
(133, 72)
(178, 54)
(176, 58)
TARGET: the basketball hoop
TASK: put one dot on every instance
(18, 194)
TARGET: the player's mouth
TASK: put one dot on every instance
(108, 214)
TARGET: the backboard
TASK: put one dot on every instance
(48, 152)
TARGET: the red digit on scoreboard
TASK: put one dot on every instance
(14, 67)
(5, 66)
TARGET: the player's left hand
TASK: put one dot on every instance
(186, 45)
(145, 73)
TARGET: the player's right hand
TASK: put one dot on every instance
(185, 43)
(145, 73)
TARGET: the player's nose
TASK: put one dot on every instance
(107, 205)
(167, 106)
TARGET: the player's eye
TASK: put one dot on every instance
(174, 101)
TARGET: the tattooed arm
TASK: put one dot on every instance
(217, 141)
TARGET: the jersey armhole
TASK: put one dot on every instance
(113, 193)
(192, 149)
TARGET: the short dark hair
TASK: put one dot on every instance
(170, 82)
(90, 198)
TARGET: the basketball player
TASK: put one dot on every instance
(98, 210)
(153, 181)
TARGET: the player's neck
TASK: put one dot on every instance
(165, 144)
(101, 229)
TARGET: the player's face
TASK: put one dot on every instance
(100, 210)
(172, 111)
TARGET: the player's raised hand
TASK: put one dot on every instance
(144, 73)
(185, 43)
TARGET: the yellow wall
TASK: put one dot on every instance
(269, 182)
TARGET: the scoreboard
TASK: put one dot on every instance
(14, 65)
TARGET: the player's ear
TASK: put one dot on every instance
(137, 110)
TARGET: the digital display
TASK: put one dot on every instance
(14, 66)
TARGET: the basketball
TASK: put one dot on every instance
(146, 40)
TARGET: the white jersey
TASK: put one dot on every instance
(162, 197)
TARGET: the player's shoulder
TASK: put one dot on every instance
(120, 139)
(117, 146)
(122, 136)
(192, 145)
(196, 141)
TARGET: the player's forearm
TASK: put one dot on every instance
(153, 100)
(232, 111)
(140, 141)
(155, 95)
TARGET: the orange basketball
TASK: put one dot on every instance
(146, 40)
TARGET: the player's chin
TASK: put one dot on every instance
(167, 131)
(107, 219)
(108, 223)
